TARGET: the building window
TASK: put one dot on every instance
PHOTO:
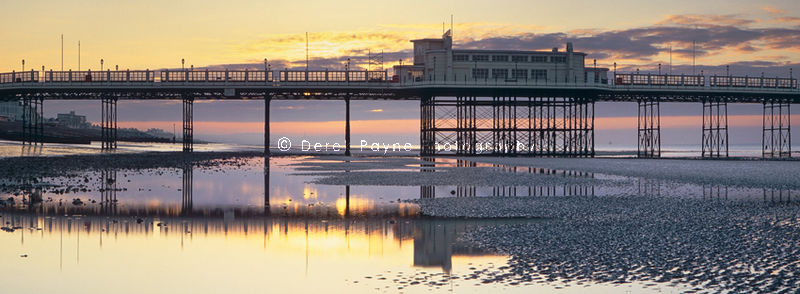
(480, 73)
(519, 74)
(480, 57)
(460, 57)
(539, 74)
(540, 59)
(519, 58)
(499, 73)
(500, 58)
(559, 59)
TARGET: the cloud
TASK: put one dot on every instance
(376, 110)
(705, 20)
(773, 10)
(711, 39)
(788, 20)
(642, 44)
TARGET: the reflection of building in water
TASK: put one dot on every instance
(432, 242)
(435, 242)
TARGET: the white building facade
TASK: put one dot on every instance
(436, 60)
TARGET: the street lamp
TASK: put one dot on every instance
(182, 63)
(23, 65)
(615, 73)
(434, 68)
(101, 64)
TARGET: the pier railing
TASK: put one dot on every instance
(382, 79)
(194, 76)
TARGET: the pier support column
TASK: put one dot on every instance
(649, 130)
(427, 126)
(188, 124)
(108, 124)
(347, 125)
(504, 120)
(466, 128)
(776, 136)
(559, 126)
(267, 102)
(715, 128)
(32, 120)
(508, 126)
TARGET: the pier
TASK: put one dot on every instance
(547, 118)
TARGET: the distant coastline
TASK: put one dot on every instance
(59, 134)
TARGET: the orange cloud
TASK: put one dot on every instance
(773, 10)
(788, 19)
(387, 37)
(706, 20)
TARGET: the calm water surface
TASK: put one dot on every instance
(259, 227)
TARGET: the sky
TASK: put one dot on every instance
(746, 37)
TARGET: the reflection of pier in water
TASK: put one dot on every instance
(535, 189)
(778, 195)
(434, 241)
(108, 204)
(650, 187)
(187, 179)
(108, 192)
(715, 192)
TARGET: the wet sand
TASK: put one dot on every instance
(707, 245)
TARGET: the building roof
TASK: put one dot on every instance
(428, 40)
(513, 52)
